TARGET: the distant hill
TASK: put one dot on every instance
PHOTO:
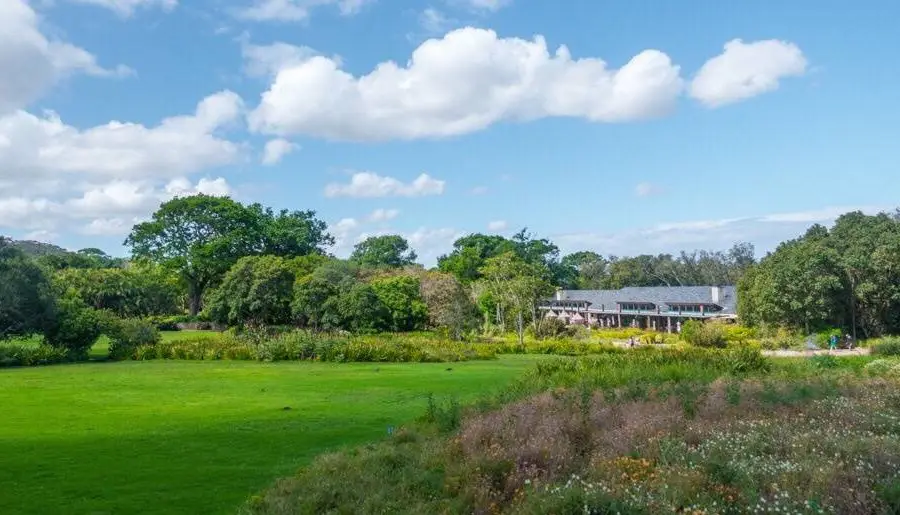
(37, 248)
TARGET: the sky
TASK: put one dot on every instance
(619, 126)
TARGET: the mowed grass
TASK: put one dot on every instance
(200, 437)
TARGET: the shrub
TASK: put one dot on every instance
(709, 334)
(26, 355)
(888, 346)
(553, 328)
(75, 328)
(823, 338)
(128, 335)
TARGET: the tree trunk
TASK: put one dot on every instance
(195, 295)
(521, 329)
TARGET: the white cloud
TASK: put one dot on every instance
(464, 82)
(104, 209)
(267, 60)
(276, 149)
(383, 215)
(647, 189)
(745, 70)
(30, 62)
(45, 147)
(372, 185)
(479, 190)
(498, 225)
(127, 8)
(296, 10)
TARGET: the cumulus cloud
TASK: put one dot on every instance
(461, 83)
(127, 8)
(745, 70)
(497, 225)
(296, 10)
(372, 185)
(30, 62)
(97, 179)
(276, 149)
(42, 147)
(101, 209)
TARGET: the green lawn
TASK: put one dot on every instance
(199, 437)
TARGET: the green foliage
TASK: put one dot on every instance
(709, 334)
(390, 251)
(257, 291)
(136, 291)
(76, 327)
(200, 237)
(125, 336)
(360, 310)
(553, 328)
(14, 354)
(26, 300)
(449, 305)
(307, 346)
(887, 346)
(400, 295)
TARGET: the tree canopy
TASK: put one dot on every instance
(26, 300)
(201, 237)
(383, 251)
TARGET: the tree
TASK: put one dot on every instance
(201, 237)
(469, 254)
(74, 326)
(360, 309)
(26, 300)
(291, 233)
(256, 291)
(583, 270)
(383, 251)
(400, 294)
(449, 304)
(137, 291)
(799, 285)
(517, 287)
(316, 297)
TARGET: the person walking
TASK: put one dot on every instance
(832, 342)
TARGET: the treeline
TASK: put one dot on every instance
(846, 277)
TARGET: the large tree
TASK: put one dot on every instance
(383, 251)
(26, 301)
(449, 304)
(516, 286)
(201, 237)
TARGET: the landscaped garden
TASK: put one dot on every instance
(372, 385)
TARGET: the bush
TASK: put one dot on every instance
(553, 328)
(25, 355)
(304, 345)
(887, 346)
(823, 338)
(128, 335)
(75, 327)
(709, 334)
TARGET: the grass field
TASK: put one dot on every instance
(199, 437)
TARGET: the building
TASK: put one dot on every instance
(661, 308)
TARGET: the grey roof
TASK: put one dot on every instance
(662, 296)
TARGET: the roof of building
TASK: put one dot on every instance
(662, 296)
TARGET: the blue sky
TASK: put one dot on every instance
(659, 126)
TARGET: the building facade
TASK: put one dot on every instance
(662, 308)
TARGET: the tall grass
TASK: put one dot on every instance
(307, 346)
